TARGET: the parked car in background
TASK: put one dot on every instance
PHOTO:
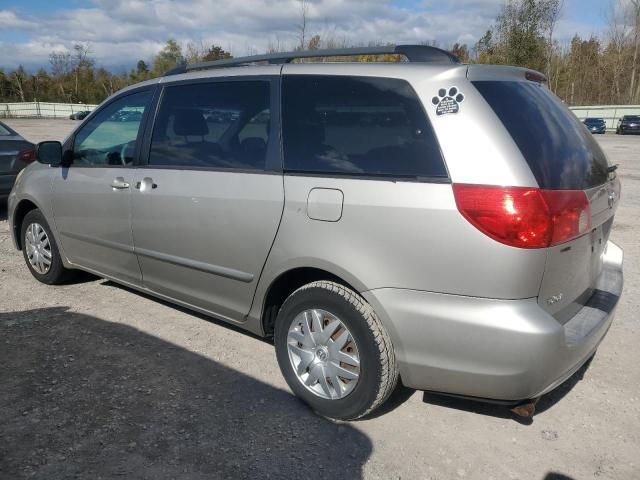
(79, 115)
(15, 154)
(628, 124)
(381, 221)
(596, 125)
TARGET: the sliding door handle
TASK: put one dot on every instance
(146, 184)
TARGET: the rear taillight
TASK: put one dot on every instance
(524, 217)
(27, 156)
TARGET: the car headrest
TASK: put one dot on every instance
(190, 122)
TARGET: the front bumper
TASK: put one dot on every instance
(494, 349)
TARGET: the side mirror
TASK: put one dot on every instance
(49, 153)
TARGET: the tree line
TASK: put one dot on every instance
(596, 70)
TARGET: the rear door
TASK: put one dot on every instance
(562, 155)
(207, 205)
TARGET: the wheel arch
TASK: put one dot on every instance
(21, 210)
(287, 282)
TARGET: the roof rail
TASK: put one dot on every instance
(413, 53)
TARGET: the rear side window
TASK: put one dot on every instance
(219, 125)
(357, 126)
(560, 151)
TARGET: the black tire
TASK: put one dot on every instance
(378, 370)
(57, 273)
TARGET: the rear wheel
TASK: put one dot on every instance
(41, 251)
(333, 351)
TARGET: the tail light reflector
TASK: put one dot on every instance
(524, 217)
(27, 156)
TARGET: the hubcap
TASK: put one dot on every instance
(38, 248)
(323, 354)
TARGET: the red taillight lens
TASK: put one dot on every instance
(27, 156)
(524, 217)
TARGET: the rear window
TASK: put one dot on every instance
(561, 153)
(357, 126)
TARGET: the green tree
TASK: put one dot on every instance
(169, 57)
(461, 51)
(215, 53)
(142, 68)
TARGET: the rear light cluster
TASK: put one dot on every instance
(524, 217)
(27, 156)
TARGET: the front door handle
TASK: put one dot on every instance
(119, 184)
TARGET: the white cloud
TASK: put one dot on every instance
(122, 31)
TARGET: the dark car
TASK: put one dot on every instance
(595, 125)
(15, 154)
(628, 124)
(79, 115)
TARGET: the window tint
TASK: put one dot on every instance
(215, 125)
(109, 139)
(357, 125)
(3, 131)
(561, 153)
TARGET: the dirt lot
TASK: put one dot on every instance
(99, 382)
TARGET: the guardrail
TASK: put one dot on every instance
(610, 113)
(41, 109)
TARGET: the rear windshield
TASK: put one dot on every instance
(561, 153)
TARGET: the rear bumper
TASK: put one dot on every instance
(6, 183)
(494, 349)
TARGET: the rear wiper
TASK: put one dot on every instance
(612, 168)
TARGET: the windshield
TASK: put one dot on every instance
(561, 153)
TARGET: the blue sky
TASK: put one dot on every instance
(120, 32)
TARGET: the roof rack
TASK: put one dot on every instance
(413, 53)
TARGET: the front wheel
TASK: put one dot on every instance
(41, 252)
(333, 351)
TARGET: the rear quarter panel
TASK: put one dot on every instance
(399, 235)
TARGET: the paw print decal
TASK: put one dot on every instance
(448, 100)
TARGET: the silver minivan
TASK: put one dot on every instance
(442, 224)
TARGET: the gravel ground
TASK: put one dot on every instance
(97, 381)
